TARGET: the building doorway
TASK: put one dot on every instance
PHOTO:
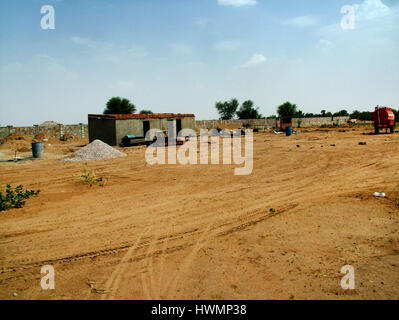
(178, 126)
(146, 127)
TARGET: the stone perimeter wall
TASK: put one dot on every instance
(81, 130)
(271, 123)
(78, 130)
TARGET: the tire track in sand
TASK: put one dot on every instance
(112, 284)
(254, 217)
(149, 284)
(171, 285)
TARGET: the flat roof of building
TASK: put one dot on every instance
(141, 116)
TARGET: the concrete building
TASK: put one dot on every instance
(111, 128)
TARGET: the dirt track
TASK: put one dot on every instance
(199, 232)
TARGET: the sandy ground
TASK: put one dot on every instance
(199, 232)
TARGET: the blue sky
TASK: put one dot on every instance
(184, 55)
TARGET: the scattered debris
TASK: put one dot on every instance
(333, 145)
(43, 136)
(379, 195)
(362, 143)
(67, 137)
(97, 150)
(91, 285)
(15, 294)
(298, 146)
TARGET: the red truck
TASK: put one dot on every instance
(383, 117)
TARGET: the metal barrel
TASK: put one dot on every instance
(37, 149)
(288, 131)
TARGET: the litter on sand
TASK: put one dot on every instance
(97, 150)
(379, 195)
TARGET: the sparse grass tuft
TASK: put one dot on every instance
(89, 177)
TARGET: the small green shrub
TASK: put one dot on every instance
(15, 198)
(89, 177)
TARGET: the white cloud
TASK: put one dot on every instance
(302, 21)
(370, 16)
(237, 3)
(181, 49)
(371, 10)
(255, 60)
(227, 45)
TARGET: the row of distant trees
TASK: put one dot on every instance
(228, 110)
(247, 110)
(289, 109)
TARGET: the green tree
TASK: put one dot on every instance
(248, 111)
(299, 114)
(287, 109)
(146, 112)
(118, 105)
(342, 113)
(323, 113)
(364, 116)
(355, 114)
(227, 109)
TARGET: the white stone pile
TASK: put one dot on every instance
(97, 150)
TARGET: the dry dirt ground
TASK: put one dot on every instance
(200, 232)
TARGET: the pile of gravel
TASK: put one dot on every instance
(97, 150)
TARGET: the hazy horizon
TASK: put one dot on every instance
(182, 56)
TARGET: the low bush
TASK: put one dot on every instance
(15, 198)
